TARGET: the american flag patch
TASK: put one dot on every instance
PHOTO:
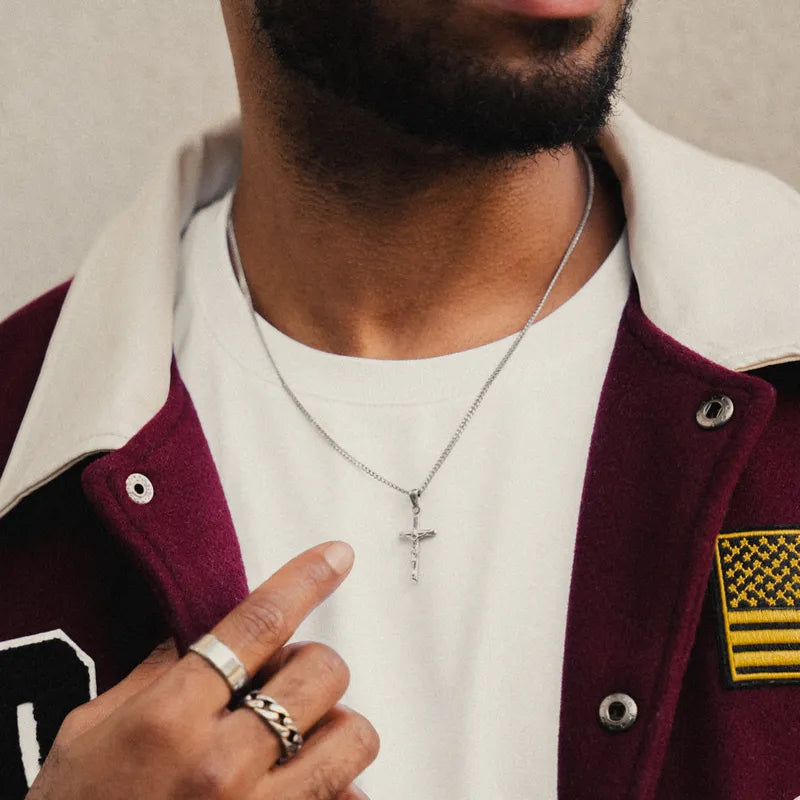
(758, 583)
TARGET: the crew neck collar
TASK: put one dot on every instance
(563, 335)
(713, 248)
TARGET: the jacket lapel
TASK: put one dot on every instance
(183, 539)
(656, 491)
(655, 495)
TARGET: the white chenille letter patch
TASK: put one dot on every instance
(42, 678)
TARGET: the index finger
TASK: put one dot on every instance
(264, 621)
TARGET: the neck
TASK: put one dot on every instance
(383, 251)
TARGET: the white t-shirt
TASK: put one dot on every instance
(460, 673)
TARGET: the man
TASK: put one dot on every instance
(440, 297)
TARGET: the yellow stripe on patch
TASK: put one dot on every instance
(765, 637)
(766, 658)
(765, 615)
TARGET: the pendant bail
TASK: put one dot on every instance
(414, 496)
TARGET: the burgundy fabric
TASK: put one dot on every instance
(117, 577)
(59, 569)
(655, 498)
(744, 743)
(182, 541)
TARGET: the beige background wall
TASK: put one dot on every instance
(92, 92)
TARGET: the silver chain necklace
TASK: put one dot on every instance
(416, 534)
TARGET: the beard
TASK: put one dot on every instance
(420, 81)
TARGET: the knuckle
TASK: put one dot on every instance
(332, 667)
(263, 617)
(367, 741)
(73, 723)
(163, 654)
(296, 688)
(210, 778)
(159, 726)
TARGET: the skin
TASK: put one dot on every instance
(165, 732)
(361, 239)
(405, 193)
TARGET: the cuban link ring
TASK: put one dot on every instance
(224, 661)
(278, 720)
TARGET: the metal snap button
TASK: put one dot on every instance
(715, 412)
(139, 488)
(618, 712)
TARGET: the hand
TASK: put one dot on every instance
(165, 732)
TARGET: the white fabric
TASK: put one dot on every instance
(460, 673)
(714, 248)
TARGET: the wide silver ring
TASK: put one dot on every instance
(224, 661)
(278, 720)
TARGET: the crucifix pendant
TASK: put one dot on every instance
(416, 535)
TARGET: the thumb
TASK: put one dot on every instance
(97, 710)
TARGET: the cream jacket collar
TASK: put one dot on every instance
(715, 250)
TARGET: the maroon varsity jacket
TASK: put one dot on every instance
(688, 542)
(685, 589)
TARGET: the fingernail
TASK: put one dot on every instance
(340, 556)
